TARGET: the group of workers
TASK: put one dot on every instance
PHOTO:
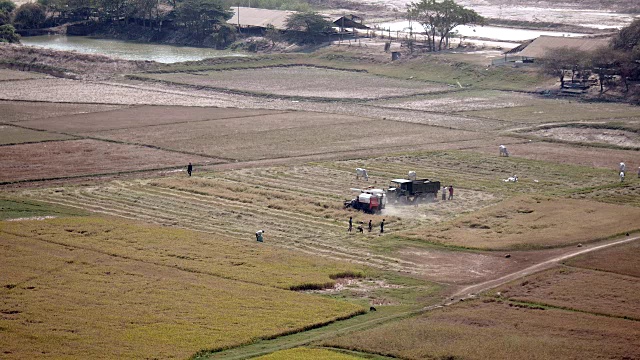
(361, 228)
(623, 169)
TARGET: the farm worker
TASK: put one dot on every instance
(622, 166)
(371, 225)
(444, 193)
(621, 176)
(450, 192)
(360, 229)
(259, 234)
(382, 227)
(350, 224)
(189, 169)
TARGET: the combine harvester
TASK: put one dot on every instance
(371, 201)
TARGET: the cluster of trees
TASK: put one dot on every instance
(439, 18)
(617, 64)
(7, 31)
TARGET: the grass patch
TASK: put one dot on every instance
(620, 259)
(308, 353)
(26, 209)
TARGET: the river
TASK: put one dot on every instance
(125, 49)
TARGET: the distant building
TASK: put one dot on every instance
(256, 18)
(538, 48)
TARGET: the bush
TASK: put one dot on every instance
(8, 34)
(4, 18)
(7, 6)
(29, 16)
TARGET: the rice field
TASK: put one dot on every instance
(6, 74)
(618, 260)
(75, 299)
(499, 330)
(14, 111)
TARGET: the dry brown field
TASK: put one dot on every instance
(534, 222)
(140, 117)
(579, 289)
(285, 135)
(304, 81)
(11, 111)
(84, 158)
(559, 111)
(6, 74)
(69, 300)
(616, 137)
(566, 154)
(494, 330)
(620, 259)
(15, 135)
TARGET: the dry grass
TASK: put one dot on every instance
(6, 74)
(579, 289)
(615, 137)
(139, 117)
(559, 111)
(304, 81)
(530, 222)
(622, 259)
(68, 302)
(15, 135)
(83, 158)
(478, 330)
(191, 251)
(307, 354)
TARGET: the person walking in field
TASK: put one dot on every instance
(189, 169)
(382, 227)
(259, 236)
(450, 192)
(371, 224)
(350, 224)
(444, 193)
(621, 176)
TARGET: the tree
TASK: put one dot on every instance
(7, 6)
(29, 16)
(439, 18)
(628, 39)
(557, 62)
(603, 63)
(272, 34)
(307, 27)
(4, 18)
(201, 15)
(8, 34)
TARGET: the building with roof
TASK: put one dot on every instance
(256, 18)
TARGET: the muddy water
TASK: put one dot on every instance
(125, 49)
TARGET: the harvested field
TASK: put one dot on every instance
(6, 74)
(578, 289)
(84, 158)
(85, 303)
(15, 209)
(622, 138)
(493, 330)
(139, 117)
(460, 101)
(307, 353)
(525, 222)
(64, 90)
(15, 135)
(11, 111)
(304, 81)
(285, 135)
(559, 111)
(622, 194)
(622, 259)
(566, 154)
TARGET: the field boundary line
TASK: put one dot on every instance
(472, 290)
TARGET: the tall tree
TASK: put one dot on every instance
(557, 62)
(439, 18)
(307, 27)
(29, 16)
(201, 15)
(7, 6)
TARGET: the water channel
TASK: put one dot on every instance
(125, 49)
